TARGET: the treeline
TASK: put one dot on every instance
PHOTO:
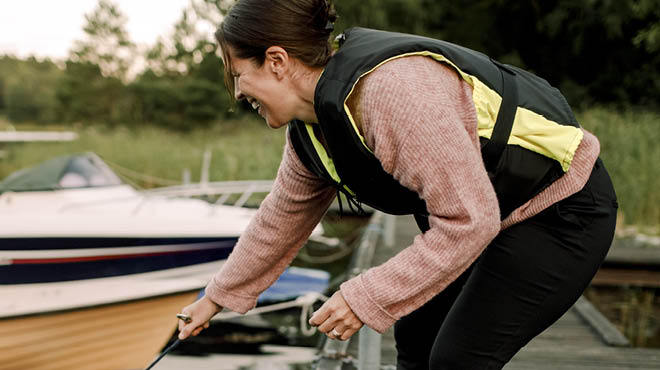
(595, 51)
(176, 83)
(41, 92)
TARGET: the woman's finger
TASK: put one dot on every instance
(348, 333)
(328, 309)
(194, 327)
(327, 325)
(320, 316)
(187, 330)
(336, 333)
(200, 313)
(197, 331)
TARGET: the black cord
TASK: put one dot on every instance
(162, 354)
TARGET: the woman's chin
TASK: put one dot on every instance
(273, 123)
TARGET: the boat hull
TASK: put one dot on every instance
(46, 260)
(125, 335)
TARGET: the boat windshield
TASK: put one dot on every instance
(85, 170)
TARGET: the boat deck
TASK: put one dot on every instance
(578, 341)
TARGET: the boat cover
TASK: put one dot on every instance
(82, 170)
(296, 282)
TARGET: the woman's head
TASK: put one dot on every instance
(301, 27)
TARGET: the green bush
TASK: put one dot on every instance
(179, 104)
(2, 96)
(27, 90)
(85, 95)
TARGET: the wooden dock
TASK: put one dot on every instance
(578, 341)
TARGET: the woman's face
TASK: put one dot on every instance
(263, 88)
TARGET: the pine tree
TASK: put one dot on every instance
(106, 43)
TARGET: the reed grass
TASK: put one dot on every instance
(246, 149)
(630, 149)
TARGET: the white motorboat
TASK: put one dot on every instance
(72, 218)
(92, 271)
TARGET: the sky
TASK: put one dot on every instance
(47, 28)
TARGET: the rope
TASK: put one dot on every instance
(162, 354)
(304, 256)
(127, 172)
(306, 302)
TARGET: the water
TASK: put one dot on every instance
(635, 311)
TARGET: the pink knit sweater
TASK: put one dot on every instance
(418, 118)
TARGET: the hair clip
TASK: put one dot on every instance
(329, 26)
(340, 39)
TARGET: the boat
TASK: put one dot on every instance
(72, 218)
(119, 322)
(115, 323)
(93, 271)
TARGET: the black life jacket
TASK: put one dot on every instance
(518, 167)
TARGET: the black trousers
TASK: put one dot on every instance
(525, 280)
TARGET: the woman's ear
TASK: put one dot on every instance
(277, 60)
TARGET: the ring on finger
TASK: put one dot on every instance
(336, 333)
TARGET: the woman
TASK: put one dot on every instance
(516, 210)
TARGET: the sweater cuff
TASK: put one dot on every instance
(234, 302)
(368, 311)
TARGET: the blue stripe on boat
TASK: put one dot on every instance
(53, 272)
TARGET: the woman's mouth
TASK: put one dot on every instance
(255, 105)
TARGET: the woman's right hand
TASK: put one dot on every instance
(201, 313)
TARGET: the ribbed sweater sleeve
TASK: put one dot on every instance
(284, 221)
(418, 117)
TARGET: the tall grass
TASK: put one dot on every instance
(630, 149)
(247, 149)
(244, 149)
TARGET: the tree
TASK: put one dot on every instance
(183, 85)
(85, 95)
(595, 51)
(107, 43)
(190, 40)
(27, 89)
(649, 36)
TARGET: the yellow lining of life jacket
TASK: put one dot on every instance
(530, 130)
(323, 156)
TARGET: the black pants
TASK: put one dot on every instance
(525, 280)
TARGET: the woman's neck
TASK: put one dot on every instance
(306, 86)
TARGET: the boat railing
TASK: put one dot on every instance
(224, 190)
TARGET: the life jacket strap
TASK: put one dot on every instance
(492, 151)
(353, 204)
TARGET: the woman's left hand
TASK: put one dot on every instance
(336, 319)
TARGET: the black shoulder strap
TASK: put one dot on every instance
(492, 151)
(303, 148)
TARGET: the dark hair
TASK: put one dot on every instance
(301, 27)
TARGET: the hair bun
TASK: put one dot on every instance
(331, 13)
(325, 16)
